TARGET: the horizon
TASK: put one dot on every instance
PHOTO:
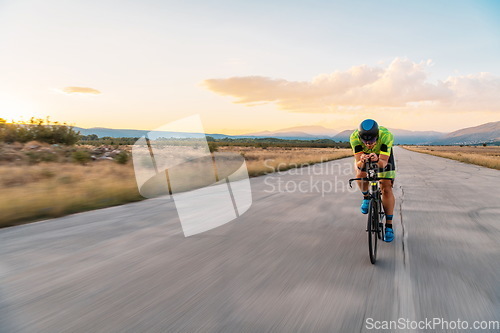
(280, 129)
(246, 133)
(265, 130)
(249, 68)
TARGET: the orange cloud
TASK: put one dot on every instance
(80, 90)
(402, 84)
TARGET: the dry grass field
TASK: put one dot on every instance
(34, 192)
(488, 156)
(261, 161)
(30, 192)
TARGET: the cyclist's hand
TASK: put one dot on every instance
(365, 157)
(373, 157)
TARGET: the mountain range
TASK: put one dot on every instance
(299, 131)
(401, 136)
(489, 132)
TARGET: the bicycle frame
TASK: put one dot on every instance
(372, 175)
(374, 188)
(375, 208)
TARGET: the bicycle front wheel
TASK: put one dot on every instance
(372, 229)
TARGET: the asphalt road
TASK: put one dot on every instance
(296, 261)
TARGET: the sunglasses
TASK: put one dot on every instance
(369, 142)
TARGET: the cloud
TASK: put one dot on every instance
(477, 91)
(80, 90)
(402, 84)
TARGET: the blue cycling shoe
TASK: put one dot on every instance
(389, 235)
(364, 206)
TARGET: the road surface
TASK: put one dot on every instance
(296, 261)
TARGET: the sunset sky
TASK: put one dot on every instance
(248, 66)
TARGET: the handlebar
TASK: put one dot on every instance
(372, 165)
(367, 179)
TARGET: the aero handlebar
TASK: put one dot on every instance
(367, 179)
(371, 166)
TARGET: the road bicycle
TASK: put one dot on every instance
(375, 227)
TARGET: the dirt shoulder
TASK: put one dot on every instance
(488, 156)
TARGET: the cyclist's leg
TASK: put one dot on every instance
(388, 200)
(361, 173)
(362, 184)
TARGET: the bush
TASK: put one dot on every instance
(41, 156)
(81, 157)
(122, 158)
(212, 146)
(94, 140)
(39, 130)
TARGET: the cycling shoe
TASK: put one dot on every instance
(364, 206)
(389, 235)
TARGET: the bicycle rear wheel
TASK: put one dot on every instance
(372, 228)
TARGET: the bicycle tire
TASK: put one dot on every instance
(381, 214)
(372, 228)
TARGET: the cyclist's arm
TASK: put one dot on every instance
(357, 149)
(382, 161)
(360, 158)
(385, 150)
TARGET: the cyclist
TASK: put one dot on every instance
(371, 142)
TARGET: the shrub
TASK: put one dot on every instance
(39, 130)
(81, 157)
(263, 145)
(122, 158)
(35, 157)
(212, 146)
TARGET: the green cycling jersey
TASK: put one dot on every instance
(383, 146)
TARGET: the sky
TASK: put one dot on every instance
(248, 66)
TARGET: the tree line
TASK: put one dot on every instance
(37, 129)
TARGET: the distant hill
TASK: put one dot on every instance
(415, 137)
(281, 134)
(343, 136)
(114, 133)
(291, 133)
(400, 136)
(489, 132)
(130, 133)
(309, 132)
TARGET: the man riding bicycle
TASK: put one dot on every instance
(373, 143)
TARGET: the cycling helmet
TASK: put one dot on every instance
(368, 131)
